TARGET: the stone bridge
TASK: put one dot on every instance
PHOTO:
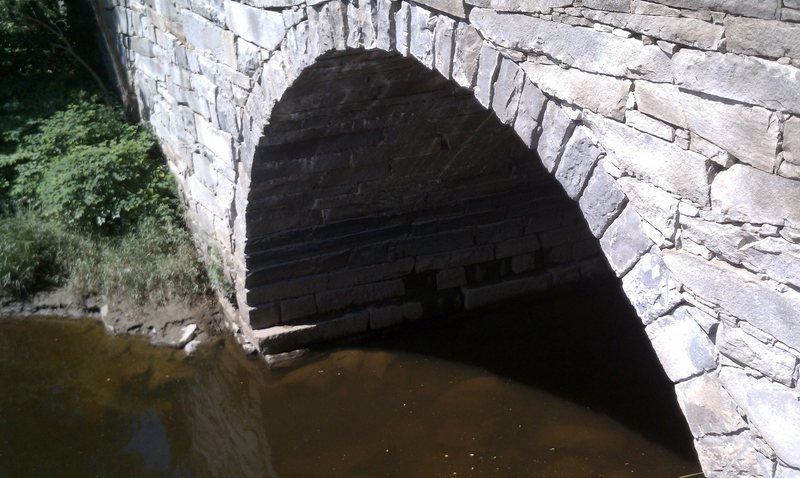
(355, 164)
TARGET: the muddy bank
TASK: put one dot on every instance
(179, 323)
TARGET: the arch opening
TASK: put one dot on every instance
(381, 192)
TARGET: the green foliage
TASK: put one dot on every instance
(86, 202)
(25, 49)
(90, 169)
(152, 263)
(29, 254)
(217, 278)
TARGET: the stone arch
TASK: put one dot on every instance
(382, 187)
(697, 194)
(565, 137)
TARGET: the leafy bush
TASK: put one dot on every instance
(90, 169)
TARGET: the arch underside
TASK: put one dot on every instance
(381, 192)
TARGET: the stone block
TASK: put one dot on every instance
(649, 125)
(791, 140)
(775, 363)
(475, 297)
(372, 273)
(601, 94)
(527, 6)
(211, 9)
(682, 347)
(651, 289)
(150, 67)
(523, 263)
(770, 38)
(285, 338)
(608, 5)
(582, 48)
(498, 231)
(685, 31)
(625, 241)
(601, 200)
(203, 34)
(516, 246)
(441, 242)
(466, 54)
(449, 278)
(507, 91)
(401, 28)
(300, 307)
(264, 315)
(421, 32)
(708, 408)
(444, 44)
(556, 129)
(265, 28)
(741, 78)
(387, 316)
(748, 133)
(461, 257)
(338, 299)
(740, 294)
(529, 113)
(770, 407)
(657, 207)
(452, 7)
(487, 70)
(790, 15)
(660, 163)
(732, 455)
(710, 150)
(385, 15)
(580, 155)
(748, 8)
(219, 143)
(286, 289)
(327, 24)
(141, 46)
(777, 258)
(360, 26)
(746, 194)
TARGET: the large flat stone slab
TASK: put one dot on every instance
(708, 408)
(771, 408)
(740, 294)
(682, 347)
(749, 133)
(601, 94)
(740, 78)
(265, 28)
(663, 164)
(768, 38)
(579, 47)
(748, 195)
(686, 31)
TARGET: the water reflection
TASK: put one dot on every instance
(77, 403)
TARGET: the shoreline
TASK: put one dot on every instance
(182, 323)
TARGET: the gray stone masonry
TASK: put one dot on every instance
(355, 165)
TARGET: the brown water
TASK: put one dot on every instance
(77, 403)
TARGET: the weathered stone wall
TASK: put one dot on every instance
(695, 106)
